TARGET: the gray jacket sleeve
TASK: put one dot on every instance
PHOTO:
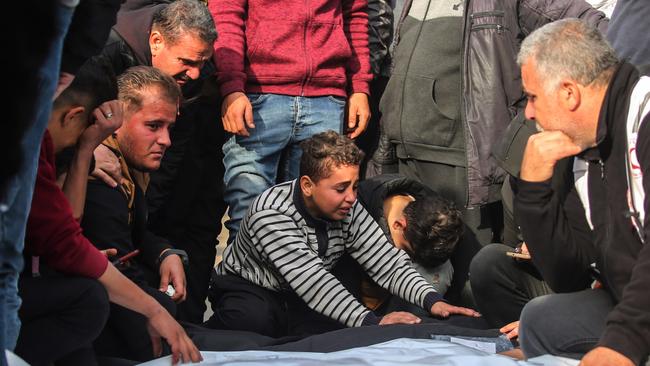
(534, 14)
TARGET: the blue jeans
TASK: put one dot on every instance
(281, 123)
(16, 202)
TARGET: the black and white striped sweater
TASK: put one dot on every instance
(281, 247)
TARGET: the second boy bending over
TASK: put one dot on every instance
(275, 278)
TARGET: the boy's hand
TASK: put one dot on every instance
(443, 310)
(399, 317)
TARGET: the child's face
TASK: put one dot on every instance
(332, 197)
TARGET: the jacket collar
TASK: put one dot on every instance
(614, 108)
(130, 178)
(134, 26)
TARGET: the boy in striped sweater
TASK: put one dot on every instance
(275, 278)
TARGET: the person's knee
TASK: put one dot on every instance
(243, 185)
(488, 265)
(244, 311)
(536, 327)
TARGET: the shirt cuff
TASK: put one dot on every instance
(231, 86)
(360, 86)
(533, 191)
(432, 298)
(371, 319)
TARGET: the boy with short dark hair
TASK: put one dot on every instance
(275, 278)
(416, 220)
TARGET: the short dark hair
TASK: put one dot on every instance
(433, 228)
(93, 85)
(136, 80)
(183, 16)
(326, 150)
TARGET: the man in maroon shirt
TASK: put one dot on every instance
(64, 307)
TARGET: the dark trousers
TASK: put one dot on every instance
(125, 335)
(61, 316)
(241, 305)
(566, 325)
(502, 285)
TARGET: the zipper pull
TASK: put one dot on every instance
(602, 169)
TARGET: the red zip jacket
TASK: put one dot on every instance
(290, 47)
(52, 232)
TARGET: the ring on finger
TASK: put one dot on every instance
(109, 114)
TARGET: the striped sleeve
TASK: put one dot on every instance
(389, 267)
(284, 245)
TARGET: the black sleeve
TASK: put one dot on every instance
(106, 218)
(560, 250)
(88, 32)
(628, 325)
(106, 223)
(149, 244)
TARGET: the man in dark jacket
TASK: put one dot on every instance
(115, 217)
(453, 90)
(184, 196)
(591, 105)
(502, 285)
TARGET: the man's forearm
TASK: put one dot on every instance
(124, 292)
(76, 181)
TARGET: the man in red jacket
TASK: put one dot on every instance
(287, 71)
(64, 307)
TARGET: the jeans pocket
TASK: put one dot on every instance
(256, 99)
(336, 99)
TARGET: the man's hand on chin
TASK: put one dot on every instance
(543, 151)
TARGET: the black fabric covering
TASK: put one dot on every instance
(338, 340)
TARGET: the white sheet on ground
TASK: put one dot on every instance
(403, 351)
(14, 360)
